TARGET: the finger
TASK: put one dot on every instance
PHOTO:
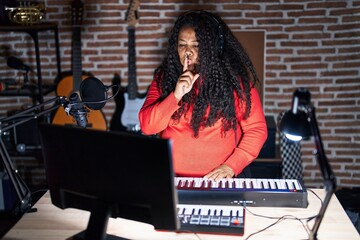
(212, 176)
(195, 78)
(185, 66)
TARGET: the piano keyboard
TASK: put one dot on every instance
(242, 191)
(211, 219)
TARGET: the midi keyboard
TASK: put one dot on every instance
(211, 219)
(253, 192)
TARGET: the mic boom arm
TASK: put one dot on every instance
(22, 191)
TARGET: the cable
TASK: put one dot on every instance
(284, 217)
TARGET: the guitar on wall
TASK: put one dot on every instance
(115, 123)
(70, 81)
(133, 99)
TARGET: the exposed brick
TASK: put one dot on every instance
(312, 44)
(299, 44)
(285, 7)
(317, 20)
(304, 13)
(264, 14)
(304, 28)
(327, 4)
(339, 73)
(343, 27)
(275, 21)
(351, 19)
(311, 36)
(343, 57)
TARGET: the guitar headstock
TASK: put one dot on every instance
(131, 15)
(77, 12)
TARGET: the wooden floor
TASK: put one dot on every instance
(8, 220)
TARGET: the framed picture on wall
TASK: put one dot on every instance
(254, 43)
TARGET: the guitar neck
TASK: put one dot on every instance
(132, 84)
(76, 58)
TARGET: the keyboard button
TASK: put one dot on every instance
(205, 220)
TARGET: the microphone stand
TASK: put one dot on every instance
(22, 191)
(327, 173)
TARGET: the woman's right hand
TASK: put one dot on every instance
(185, 82)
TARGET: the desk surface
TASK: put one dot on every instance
(50, 222)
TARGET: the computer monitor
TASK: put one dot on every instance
(110, 174)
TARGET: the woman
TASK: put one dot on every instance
(203, 98)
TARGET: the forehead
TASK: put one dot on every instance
(187, 32)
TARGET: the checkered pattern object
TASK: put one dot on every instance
(290, 152)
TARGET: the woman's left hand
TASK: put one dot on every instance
(223, 171)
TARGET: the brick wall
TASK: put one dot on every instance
(312, 44)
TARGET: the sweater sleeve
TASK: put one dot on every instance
(254, 135)
(155, 114)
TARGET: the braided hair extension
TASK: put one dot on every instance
(221, 74)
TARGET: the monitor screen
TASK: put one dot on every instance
(110, 174)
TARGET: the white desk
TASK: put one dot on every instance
(50, 222)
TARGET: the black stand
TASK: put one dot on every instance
(327, 173)
(97, 225)
(22, 191)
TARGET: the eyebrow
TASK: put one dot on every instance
(196, 41)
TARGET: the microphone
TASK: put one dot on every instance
(16, 63)
(77, 110)
(93, 94)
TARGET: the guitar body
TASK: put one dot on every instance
(129, 117)
(70, 81)
(96, 119)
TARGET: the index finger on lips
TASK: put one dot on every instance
(185, 66)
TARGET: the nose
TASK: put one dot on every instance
(188, 52)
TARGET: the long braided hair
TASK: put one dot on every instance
(224, 68)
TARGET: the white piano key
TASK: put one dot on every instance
(272, 183)
(265, 183)
(237, 183)
(180, 210)
(206, 183)
(297, 185)
(197, 182)
(230, 183)
(204, 211)
(248, 183)
(222, 183)
(290, 184)
(279, 184)
(257, 184)
(189, 210)
(282, 184)
(214, 184)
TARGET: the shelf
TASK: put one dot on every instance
(33, 30)
(31, 91)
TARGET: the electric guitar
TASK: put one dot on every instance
(133, 99)
(115, 123)
(71, 81)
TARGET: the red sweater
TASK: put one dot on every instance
(198, 156)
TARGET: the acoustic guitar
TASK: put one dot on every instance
(70, 81)
(133, 99)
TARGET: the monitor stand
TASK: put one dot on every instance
(97, 226)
